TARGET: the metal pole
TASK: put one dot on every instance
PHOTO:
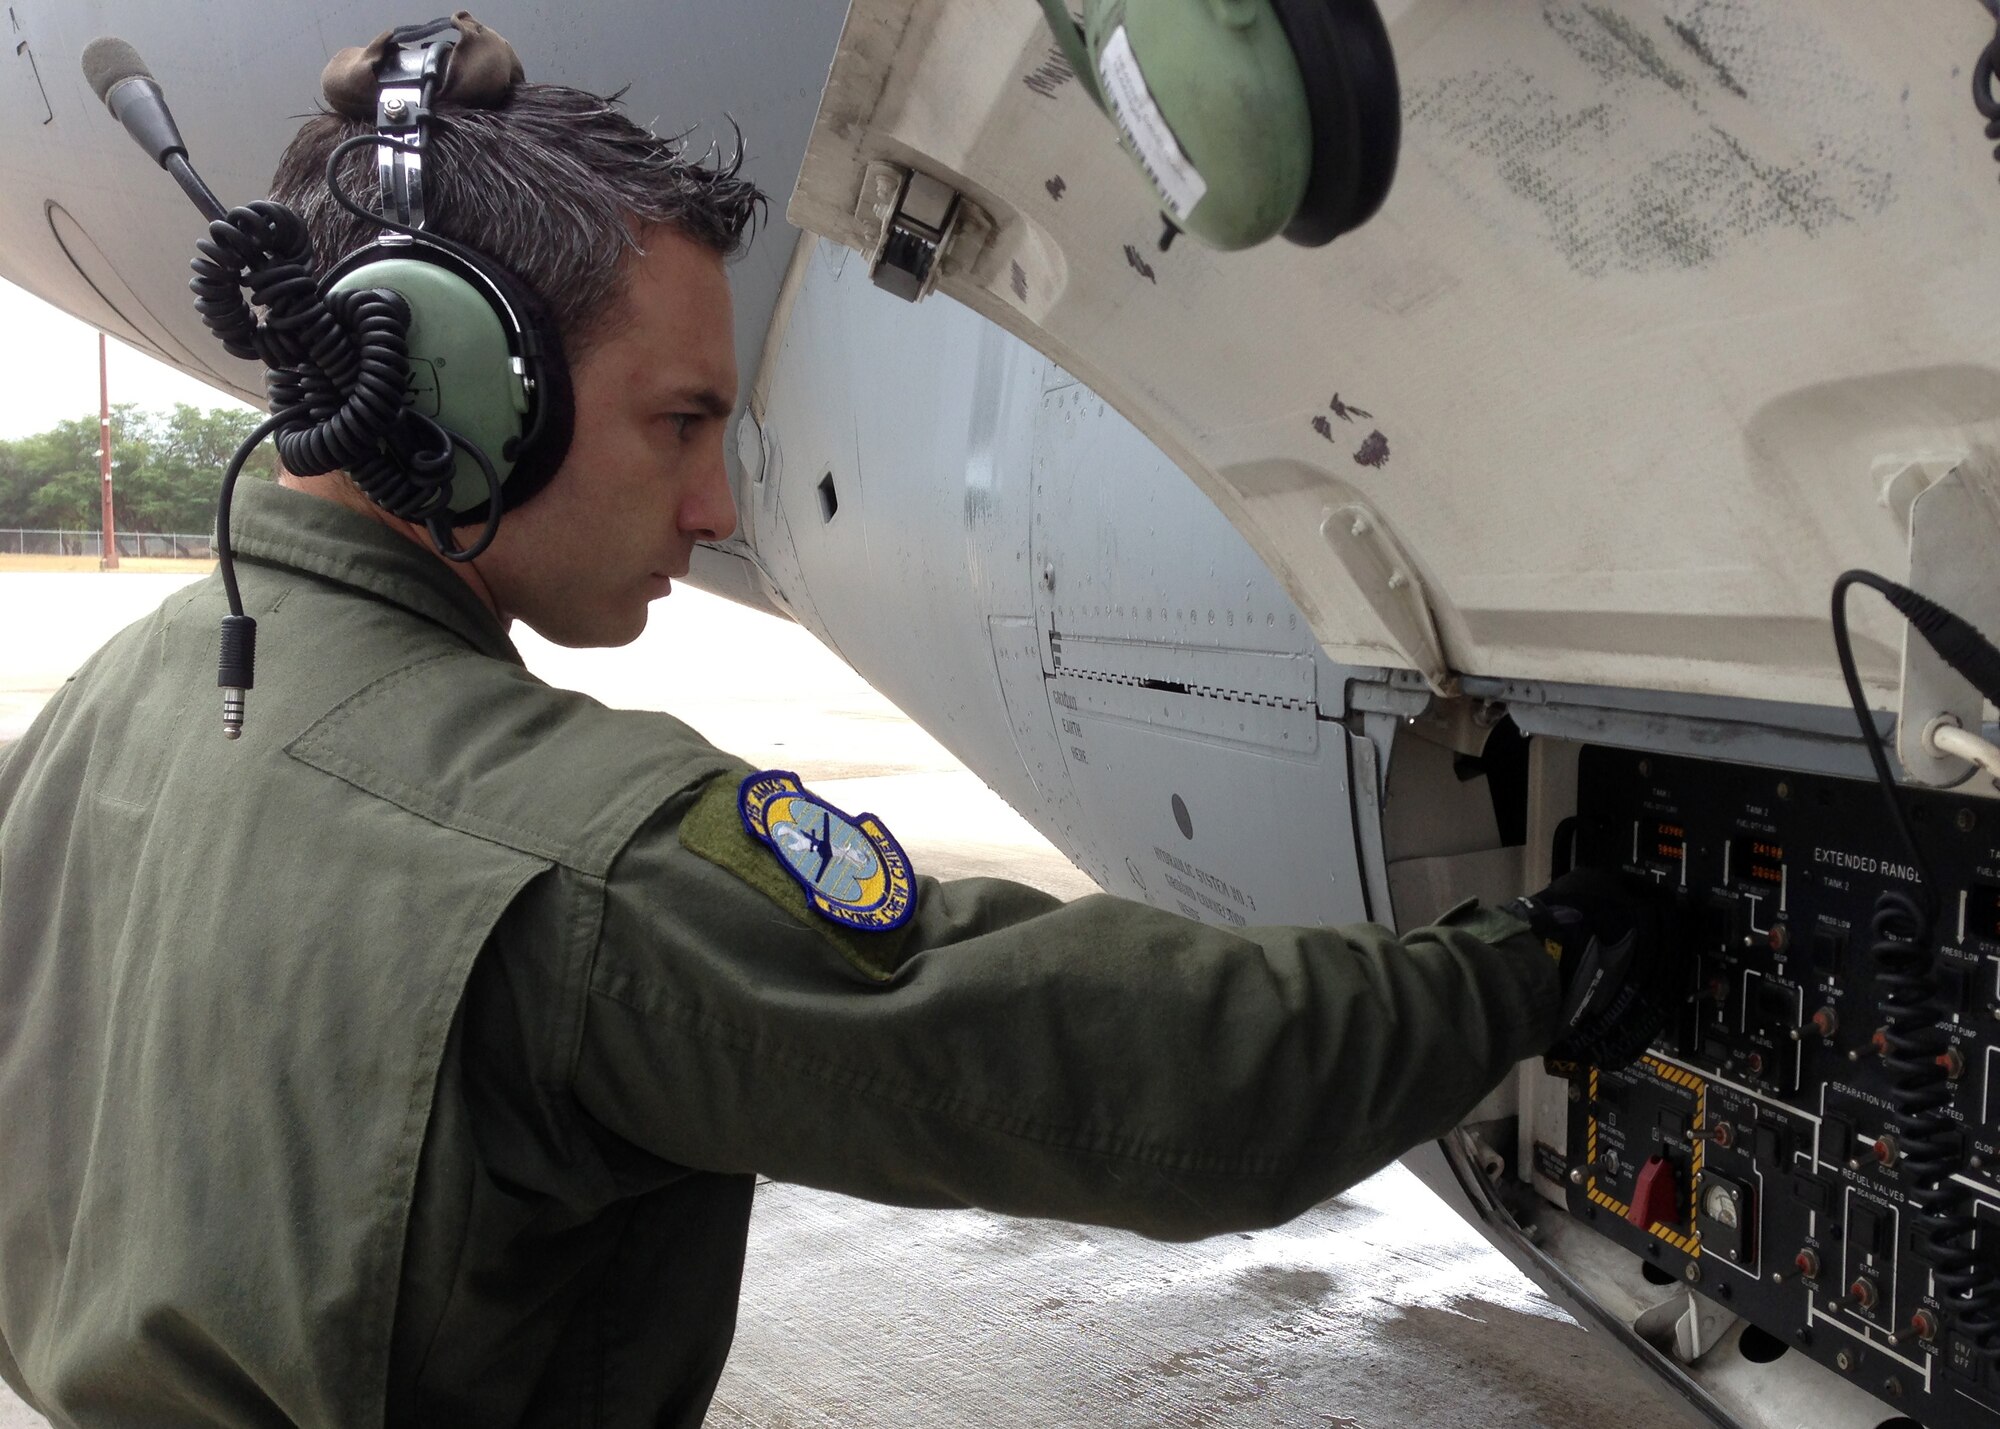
(108, 552)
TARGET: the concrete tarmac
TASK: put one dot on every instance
(1378, 1310)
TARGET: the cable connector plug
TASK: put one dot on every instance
(1956, 640)
(1946, 738)
(236, 673)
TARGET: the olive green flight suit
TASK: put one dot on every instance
(409, 1060)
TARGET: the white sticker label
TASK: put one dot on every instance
(1146, 128)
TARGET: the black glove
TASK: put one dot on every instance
(1617, 984)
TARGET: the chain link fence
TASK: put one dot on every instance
(159, 545)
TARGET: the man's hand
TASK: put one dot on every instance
(1619, 978)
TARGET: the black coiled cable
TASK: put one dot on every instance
(1930, 1148)
(1985, 77)
(1929, 1144)
(337, 370)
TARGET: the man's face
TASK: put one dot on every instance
(644, 479)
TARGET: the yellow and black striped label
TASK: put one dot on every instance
(1676, 1076)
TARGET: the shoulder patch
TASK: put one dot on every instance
(713, 830)
(853, 871)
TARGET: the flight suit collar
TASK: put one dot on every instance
(276, 526)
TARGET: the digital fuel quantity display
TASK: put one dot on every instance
(1663, 844)
(1757, 860)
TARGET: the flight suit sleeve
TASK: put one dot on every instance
(1096, 1061)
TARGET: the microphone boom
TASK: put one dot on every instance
(120, 78)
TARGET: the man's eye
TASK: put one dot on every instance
(682, 421)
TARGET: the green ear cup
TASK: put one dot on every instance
(1208, 98)
(462, 373)
(1251, 118)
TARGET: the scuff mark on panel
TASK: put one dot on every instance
(1373, 451)
(1345, 411)
(1796, 190)
(1697, 46)
(1140, 265)
(1323, 427)
(1635, 164)
(1051, 75)
(1612, 45)
(1754, 54)
(1057, 187)
(1020, 282)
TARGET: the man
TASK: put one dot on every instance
(409, 1060)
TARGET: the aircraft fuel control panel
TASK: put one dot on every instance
(1815, 1141)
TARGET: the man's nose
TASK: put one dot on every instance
(710, 511)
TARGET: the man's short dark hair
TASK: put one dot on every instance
(556, 185)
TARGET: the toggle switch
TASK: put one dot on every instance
(1656, 1196)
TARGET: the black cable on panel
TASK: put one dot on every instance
(1929, 1144)
(1986, 80)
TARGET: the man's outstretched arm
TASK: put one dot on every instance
(1096, 1061)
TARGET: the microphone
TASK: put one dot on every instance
(129, 90)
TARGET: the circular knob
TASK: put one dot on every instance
(1862, 1293)
(1924, 1324)
(1807, 1263)
(1887, 1153)
(1825, 1023)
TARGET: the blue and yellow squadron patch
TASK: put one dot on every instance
(852, 869)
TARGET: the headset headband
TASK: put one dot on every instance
(407, 80)
(394, 79)
(479, 71)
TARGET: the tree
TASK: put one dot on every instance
(186, 454)
(17, 484)
(166, 469)
(62, 470)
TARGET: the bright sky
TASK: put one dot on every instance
(48, 370)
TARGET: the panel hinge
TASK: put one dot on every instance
(1386, 580)
(1954, 531)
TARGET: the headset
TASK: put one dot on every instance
(423, 369)
(486, 363)
(1250, 118)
